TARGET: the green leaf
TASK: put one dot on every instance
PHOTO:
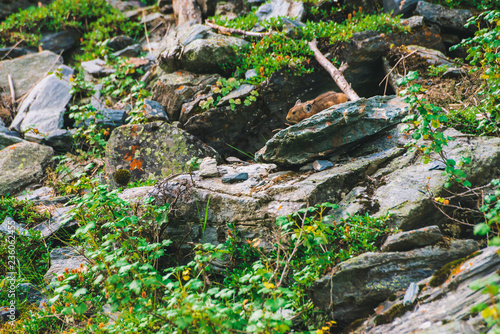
(481, 229)
(135, 286)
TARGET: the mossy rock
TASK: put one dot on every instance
(152, 151)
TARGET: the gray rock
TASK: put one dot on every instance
(243, 90)
(152, 150)
(398, 7)
(44, 107)
(409, 240)
(97, 68)
(11, 227)
(133, 195)
(446, 18)
(287, 8)
(62, 258)
(7, 140)
(411, 294)
(29, 292)
(111, 118)
(208, 167)
(320, 165)
(36, 194)
(173, 89)
(445, 309)
(197, 50)
(22, 164)
(59, 223)
(8, 314)
(406, 193)
(358, 285)
(130, 51)
(60, 41)
(119, 42)
(234, 178)
(333, 130)
(154, 111)
(27, 71)
(11, 53)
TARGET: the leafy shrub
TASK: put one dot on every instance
(95, 19)
(23, 212)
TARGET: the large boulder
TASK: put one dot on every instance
(450, 20)
(22, 164)
(62, 259)
(26, 71)
(334, 130)
(275, 8)
(197, 49)
(446, 309)
(355, 287)
(41, 115)
(153, 150)
(173, 89)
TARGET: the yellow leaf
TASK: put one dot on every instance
(268, 285)
(435, 123)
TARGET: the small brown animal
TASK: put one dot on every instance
(303, 110)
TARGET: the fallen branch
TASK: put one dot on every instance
(334, 72)
(12, 91)
(222, 29)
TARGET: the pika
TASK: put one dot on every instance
(303, 110)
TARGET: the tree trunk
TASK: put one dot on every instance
(186, 10)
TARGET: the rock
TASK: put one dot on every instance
(10, 227)
(202, 51)
(208, 167)
(450, 20)
(22, 164)
(409, 240)
(29, 292)
(130, 51)
(60, 41)
(8, 314)
(287, 8)
(133, 195)
(432, 57)
(120, 42)
(405, 193)
(58, 223)
(44, 107)
(152, 150)
(62, 258)
(320, 165)
(173, 89)
(234, 178)
(333, 130)
(411, 294)
(11, 53)
(231, 130)
(226, 10)
(445, 309)
(398, 7)
(154, 111)
(26, 71)
(7, 140)
(364, 52)
(36, 194)
(97, 68)
(186, 11)
(111, 118)
(358, 285)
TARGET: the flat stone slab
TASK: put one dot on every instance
(409, 240)
(26, 71)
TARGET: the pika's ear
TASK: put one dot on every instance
(298, 101)
(308, 107)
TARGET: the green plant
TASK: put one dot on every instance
(484, 55)
(222, 88)
(478, 4)
(424, 124)
(23, 212)
(437, 71)
(95, 19)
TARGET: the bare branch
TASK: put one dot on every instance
(222, 29)
(334, 72)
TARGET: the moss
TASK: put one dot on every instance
(122, 176)
(393, 312)
(441, 275)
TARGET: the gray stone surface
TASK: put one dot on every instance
(130, 51)
(234, 178)
(153, 150)
(445, 309)
(450, 20)
(11, 227)
(22, 164)
(287, 8)
(27, 71)
(154, 111)
(208, 167)
(398, 7)
(333, 130)
(44, 107)
(59, 223)
(60, 41)
(409, 240)
(319, 165)
(7, 140)
(358, 285)
(96, 68)
(197, 50)
(61, 258)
